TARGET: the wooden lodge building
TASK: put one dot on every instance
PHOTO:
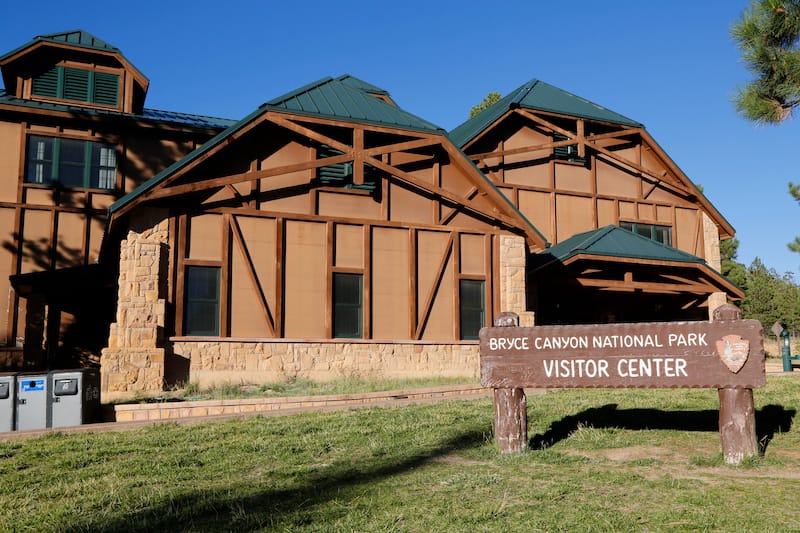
(329, 233)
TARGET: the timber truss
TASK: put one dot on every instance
(600, 143)
(397, 153)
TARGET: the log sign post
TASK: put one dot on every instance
(726, 354)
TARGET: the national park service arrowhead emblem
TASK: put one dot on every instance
(733, 351)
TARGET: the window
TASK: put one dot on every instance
(471, 298)
(341, 174)
(662, 234)
(77, 85)
(347, 306)
(71, 163)
(201, 301)
(568, 152)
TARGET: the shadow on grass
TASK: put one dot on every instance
(283, 509)
(770, 419)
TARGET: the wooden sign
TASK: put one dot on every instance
(726, 354)
(720, 354)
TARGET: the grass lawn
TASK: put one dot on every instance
(601, 460)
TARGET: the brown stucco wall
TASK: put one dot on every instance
(138, 355)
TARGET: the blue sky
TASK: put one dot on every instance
(669, 65)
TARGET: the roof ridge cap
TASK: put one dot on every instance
(523, 91)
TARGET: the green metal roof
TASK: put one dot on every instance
(538, 96)
(361, 85)
(348, 98)
(78, 38)
(613, 241)
(148, 115)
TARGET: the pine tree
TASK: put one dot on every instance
(732, 269)
(487, 101)
(763, 290)
(768, 35)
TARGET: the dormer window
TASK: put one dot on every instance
(77, 85)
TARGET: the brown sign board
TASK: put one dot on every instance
(719, 354)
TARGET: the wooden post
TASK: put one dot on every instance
(510, 420)
(510, 406)
(737, 414)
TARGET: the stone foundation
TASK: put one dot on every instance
(218, 361)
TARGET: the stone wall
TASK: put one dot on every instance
(135, 357)
(713, 258)
(513, 266)
(216, 361)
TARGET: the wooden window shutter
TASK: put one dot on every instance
(46, 84)
(76, 84)
(106, 89)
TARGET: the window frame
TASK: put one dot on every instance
(99, 164)
(341, 305)
(654, 230)
(190, 302)
(467, 309)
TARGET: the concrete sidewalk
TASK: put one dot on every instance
(133, 416)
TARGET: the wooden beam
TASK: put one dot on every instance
(402, 147)
(525, 113)
(307, 132)
(544, 146)
(251, 271)
(183, 222)
(510, 215)
(366, 268)
(329, 259)
(413, 289)
(280, 260)
(456, 303)
(225, 281)
(438, 191)
(437, 281)
(247, 176)
(645, 173)
(453, 211)
(358, 156)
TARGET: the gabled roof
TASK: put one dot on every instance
(613, 241)
(361, 85)
(612, 244)
(147, 115)
(348, 98)
(345, 99)
(538, 96)
(78, 38)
